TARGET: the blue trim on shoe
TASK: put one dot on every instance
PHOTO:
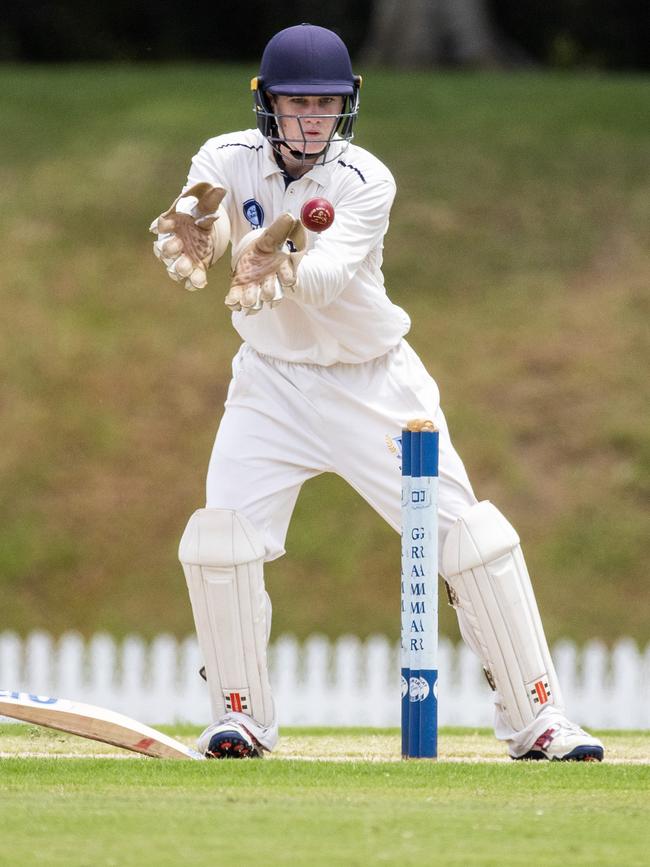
(582, 753)
(231, 745)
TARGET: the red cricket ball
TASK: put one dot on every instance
(317, 215)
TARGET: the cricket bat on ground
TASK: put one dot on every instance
(96, 723)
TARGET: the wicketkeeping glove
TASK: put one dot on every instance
(265, 264)
(192, 234)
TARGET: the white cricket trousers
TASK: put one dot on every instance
(285, 423)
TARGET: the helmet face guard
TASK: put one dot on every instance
(269, 123)
(306, 60)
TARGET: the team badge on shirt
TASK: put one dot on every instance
(254, 213)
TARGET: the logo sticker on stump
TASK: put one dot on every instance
(418, 689)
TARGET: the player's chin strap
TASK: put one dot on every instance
(302, 156)
(277, 156)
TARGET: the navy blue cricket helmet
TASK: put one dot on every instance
(306, 60)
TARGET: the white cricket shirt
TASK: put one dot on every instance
(339, 311)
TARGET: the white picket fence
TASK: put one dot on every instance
(346, 682)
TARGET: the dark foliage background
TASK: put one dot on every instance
(602, 34)
(596, 34)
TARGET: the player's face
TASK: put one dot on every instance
(307, 121)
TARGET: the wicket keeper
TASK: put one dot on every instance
(323, 380)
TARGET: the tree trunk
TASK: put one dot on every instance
(473, 42)
(416, 34)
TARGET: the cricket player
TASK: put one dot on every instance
(324, 381)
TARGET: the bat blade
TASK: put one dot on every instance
(96, 723)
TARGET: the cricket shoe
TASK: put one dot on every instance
(564, 741)
(228, 740)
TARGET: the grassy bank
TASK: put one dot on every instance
(518, 244)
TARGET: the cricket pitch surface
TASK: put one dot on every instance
(315, 745)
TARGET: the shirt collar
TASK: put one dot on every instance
(321, 174)
(270, 166)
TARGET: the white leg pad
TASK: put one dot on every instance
(484, 567)
(222, 556)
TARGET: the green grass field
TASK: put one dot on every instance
(329, 797)
(518, 244)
